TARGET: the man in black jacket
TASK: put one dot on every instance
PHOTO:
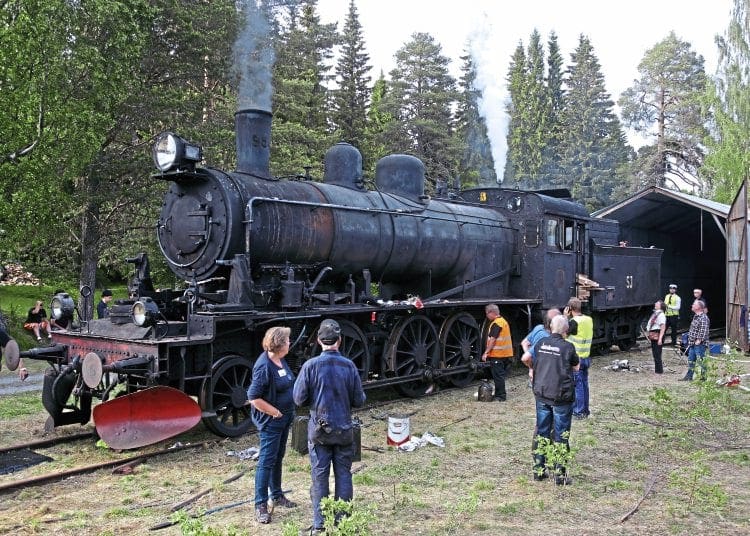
(554, 389)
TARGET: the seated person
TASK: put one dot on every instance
(36, 321)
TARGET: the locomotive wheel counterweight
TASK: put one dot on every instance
(225, 395)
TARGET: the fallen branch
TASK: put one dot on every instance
(654, 478)
(208, 512)
(453, 422)
(193, 498)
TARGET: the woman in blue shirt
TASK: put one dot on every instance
(273, 412)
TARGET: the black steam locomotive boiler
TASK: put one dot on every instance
(407, 276)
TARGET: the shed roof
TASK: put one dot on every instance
(656, 207)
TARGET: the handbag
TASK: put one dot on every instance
(653, 335)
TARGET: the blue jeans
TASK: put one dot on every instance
(581, 377)
(272, 449)
(551, 419)
(696, 354)
(321, 458)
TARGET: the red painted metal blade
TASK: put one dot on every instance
(145, 417)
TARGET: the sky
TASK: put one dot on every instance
(620, 32)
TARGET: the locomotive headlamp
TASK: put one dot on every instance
(173, 152)
(62, 306)
(145, 312)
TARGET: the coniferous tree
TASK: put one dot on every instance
(517, 82)
(378, 119)
(420, 100)
(350, 99)
(529, 110)
(476, 165)
(664, 104)
(728, 159)
(537, 110)
(594, 148)
(552, 158)
(301, 132)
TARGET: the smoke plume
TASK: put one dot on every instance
(253, 59)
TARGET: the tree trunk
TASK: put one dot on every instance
(90, 238)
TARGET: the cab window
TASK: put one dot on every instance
(552, 233)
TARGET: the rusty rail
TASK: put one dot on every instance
(42, 479)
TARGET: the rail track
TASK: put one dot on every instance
(127, 463)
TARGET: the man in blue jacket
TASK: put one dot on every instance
(331, 385)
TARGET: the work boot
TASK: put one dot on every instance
(261, 513)
(282, 502)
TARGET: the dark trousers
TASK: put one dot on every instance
(499, 369)
(321, 459)
(656, 352)
(272, 449)
(672, 322)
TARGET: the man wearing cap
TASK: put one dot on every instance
(102, 309)
(331, 386)
(673, 302)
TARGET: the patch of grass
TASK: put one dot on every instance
(483, 485)
(21, 405)
(616, 485)
(507, 509)
(363, 479)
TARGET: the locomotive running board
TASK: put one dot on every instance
(145, 417)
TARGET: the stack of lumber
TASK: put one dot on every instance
(584, 287)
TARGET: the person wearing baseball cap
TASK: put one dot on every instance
(673, 302)
(331, 386)
(102, 308)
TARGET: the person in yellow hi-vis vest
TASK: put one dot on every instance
(673, 302)
(499, 349)
(580, 333)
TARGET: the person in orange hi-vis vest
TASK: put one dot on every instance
(498, 350)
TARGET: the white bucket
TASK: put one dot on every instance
(398, 429)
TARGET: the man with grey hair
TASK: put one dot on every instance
(498, 349)
(554, 361)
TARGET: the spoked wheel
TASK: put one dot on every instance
(459, 343)
(413, 349)
(353, 345)
(225, 394)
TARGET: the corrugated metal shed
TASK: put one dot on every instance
(692, 232)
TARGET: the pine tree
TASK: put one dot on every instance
(378, 119)
(301, 132)
(517, 81)
(476, 165)
(420, 101)
(728, 159)
(664, 104)
(551, 162)
(529, 111)
(594, 148)
(537, 110)
(350, 99)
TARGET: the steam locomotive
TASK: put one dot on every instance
(406, 275)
